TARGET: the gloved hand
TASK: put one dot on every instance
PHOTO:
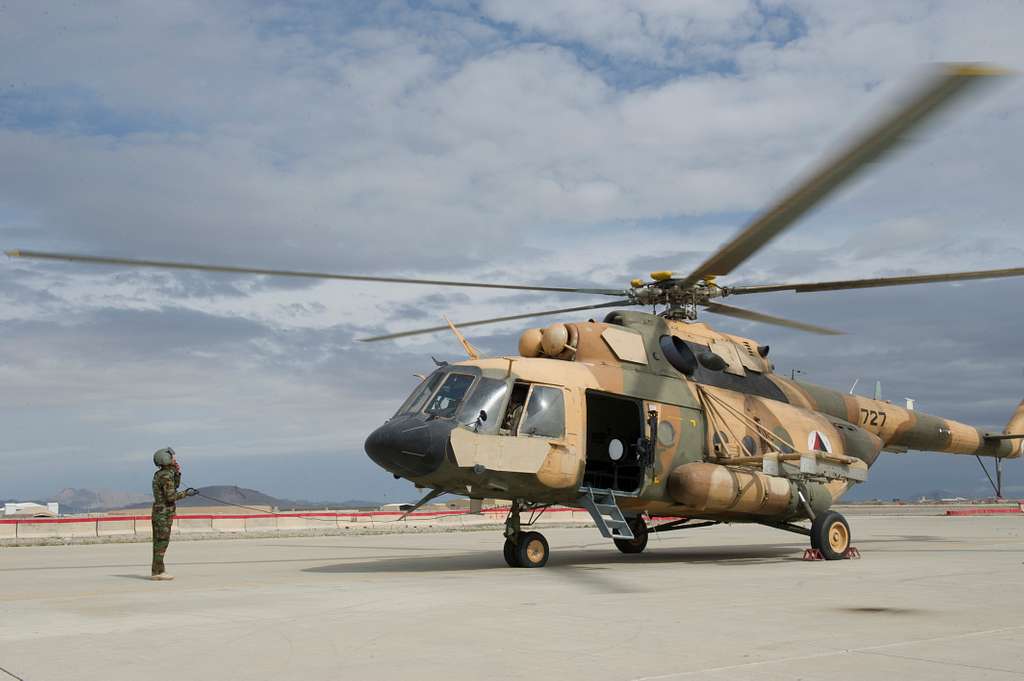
(191, 491)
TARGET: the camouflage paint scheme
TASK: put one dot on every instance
(550, 470)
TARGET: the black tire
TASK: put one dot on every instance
(639, 541)
(532, 550)
(830, 534)
(510, 553)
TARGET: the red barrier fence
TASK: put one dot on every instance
(316, 514)
(110, 526)
(1005, 510)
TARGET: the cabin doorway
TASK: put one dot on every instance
(615, 443)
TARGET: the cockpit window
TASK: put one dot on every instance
(486, 397)
(545, 413)
(446, 401)
(419, 396)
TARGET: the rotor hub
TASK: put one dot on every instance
(681, 301)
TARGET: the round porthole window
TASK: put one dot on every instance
(666, 433)
(615, 449)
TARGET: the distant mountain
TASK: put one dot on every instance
(78, 500)
(85, 500)
(225, 495)
(220, 495)
(232, 495)
(215, 495)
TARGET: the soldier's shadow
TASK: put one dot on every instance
(143, 577)
(569, 558)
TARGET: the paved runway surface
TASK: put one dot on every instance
(933, 598)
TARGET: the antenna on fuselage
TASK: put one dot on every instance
(467, 346)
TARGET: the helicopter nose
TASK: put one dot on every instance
(409, 448)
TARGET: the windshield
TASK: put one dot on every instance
(446, 401)
(419, 396)
(487, 396)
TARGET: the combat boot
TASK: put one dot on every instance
(162, 577)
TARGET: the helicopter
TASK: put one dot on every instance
(659, 414)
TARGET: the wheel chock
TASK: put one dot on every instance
(851, 553)
(813, 554)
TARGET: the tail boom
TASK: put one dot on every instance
(905, 429)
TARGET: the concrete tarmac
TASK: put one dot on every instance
(933, 598)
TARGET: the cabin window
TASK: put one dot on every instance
(545, 413)
(446, 401)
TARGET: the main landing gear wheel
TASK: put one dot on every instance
(532, 550)
(639, 541)
(830, 534)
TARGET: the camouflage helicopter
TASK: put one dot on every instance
(658, 414)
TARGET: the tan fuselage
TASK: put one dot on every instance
(705, 431)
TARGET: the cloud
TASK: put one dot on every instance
(488, 141)
(664, 34)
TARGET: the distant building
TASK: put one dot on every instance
(396, 508)
(453, 505)
(30, 509)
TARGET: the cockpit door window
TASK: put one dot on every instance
(514, 410)
(487, 397)
(545, 413)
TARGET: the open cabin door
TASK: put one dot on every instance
(618, 446)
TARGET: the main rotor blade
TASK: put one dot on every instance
(940, 89)
(880, 281)
(163, 264)
(495, 320)
(730, 311)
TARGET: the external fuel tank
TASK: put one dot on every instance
(713, 488)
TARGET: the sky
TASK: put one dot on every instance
(558, 143)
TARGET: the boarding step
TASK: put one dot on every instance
(605, 511)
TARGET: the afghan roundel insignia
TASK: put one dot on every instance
(818, 442)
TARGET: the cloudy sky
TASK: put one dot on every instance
(566, 142)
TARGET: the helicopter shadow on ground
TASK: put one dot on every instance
(568, 559)
(903, 538)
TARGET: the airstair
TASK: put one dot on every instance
(605, 511)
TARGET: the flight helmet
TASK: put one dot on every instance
(162, 457)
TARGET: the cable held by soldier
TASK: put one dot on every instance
(166, 481)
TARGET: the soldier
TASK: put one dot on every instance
(165, 496)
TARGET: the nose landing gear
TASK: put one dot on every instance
(523, 549)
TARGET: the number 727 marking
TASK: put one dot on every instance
(869, 417)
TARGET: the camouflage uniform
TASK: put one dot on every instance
(165, 497)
